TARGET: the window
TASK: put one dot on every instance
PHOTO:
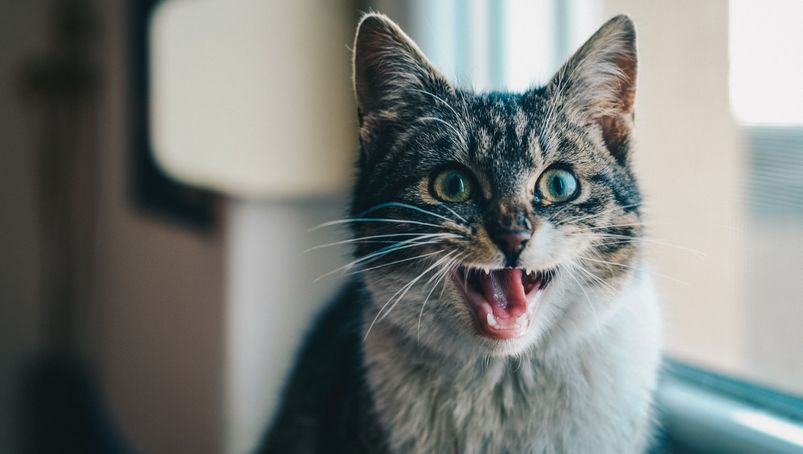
(766, 67)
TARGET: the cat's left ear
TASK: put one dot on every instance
(390, 71)
(599, 83)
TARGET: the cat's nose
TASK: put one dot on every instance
(512, 244)
(511, 232)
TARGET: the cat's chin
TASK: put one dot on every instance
(503, 301)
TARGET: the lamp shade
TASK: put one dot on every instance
(253, 98)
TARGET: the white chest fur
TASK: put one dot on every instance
(594, 395)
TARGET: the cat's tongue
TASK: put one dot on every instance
(504, 291)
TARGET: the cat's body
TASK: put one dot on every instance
(511, 310)
(591, 395)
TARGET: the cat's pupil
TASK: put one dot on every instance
(454, 185)
(558, 186)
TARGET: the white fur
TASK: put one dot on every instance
(583, 384)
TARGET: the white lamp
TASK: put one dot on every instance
(252, 97)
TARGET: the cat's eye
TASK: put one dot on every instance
(558, 185)
(452, 185)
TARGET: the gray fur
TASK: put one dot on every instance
(581, 378)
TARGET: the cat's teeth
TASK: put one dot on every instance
(491, 319)
(521, 322)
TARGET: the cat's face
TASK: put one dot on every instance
(484, 222)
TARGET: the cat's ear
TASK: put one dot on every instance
(389, 68)
(599, 82)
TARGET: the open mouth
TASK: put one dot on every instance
(502, 299)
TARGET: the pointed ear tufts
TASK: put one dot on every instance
(599, 81)
(388, 64)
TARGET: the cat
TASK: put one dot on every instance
(502, 303)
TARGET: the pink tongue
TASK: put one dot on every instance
(504, 291)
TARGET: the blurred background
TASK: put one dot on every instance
(161, 163)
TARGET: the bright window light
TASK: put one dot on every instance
(766, 62)
(771, 425)
(529, 43)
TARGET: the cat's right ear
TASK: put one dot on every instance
(390, 70)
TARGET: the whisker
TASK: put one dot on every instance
(453, 267)
(455, 213)
(411, 207)
(449, 125)
(372, 237)
(594, 215)
(554, 100)
(557, 213)
(606, 262)
(598, 280)
(379, 313)
(624, 239)
(611, 226)
(374, 256)
(401, 292)
(655, 273)
(590, 305)
(445, 272)
(410, 285)
(439, 99)
(351, 220)
(395, 262)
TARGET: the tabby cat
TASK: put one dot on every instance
(501, 303)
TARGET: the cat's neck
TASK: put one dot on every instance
(425, 395)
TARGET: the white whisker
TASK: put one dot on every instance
(457, 117)
(590, 305)
(396, 221)
(586, 233)
(410, 285)
(445, 272)
(595, 215)
(598, 280)
(655, 273)
(388, 235)
(411, 207)
(395, 262)
(375, 256)
(401, 292)
(449, 125)
(611, 226)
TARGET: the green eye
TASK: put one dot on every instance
(452, 185)
(557, 185)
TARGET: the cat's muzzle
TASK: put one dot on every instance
(502, 300)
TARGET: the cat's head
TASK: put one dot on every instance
(485, 222)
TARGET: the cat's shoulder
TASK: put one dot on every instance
(325, 405)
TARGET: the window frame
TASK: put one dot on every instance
(699, 412)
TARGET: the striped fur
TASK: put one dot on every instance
(581, 378)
